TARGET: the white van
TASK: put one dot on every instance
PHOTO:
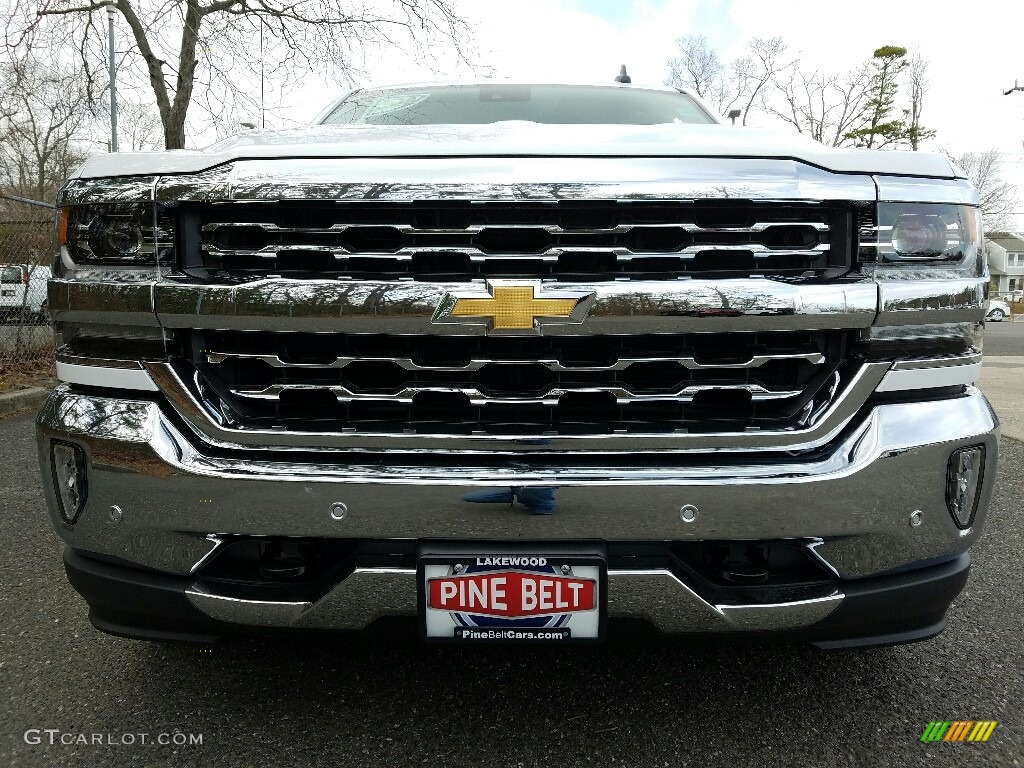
(15, 281)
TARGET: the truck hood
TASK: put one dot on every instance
(520, 139)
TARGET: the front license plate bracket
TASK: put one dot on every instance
(512, 595)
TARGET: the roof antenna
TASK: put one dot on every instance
(623, 77)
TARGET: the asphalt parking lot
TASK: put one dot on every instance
(389, 700)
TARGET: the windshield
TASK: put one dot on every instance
(479, 104)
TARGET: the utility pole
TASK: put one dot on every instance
(113, 77)
(1015, 88)
(263, 98)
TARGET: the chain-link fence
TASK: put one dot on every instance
(26, 244)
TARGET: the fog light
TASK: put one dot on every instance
(69, 480)
(963, 483)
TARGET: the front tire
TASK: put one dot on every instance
(996, 315)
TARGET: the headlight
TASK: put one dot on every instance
(922, 234)
(114, 237)
(117, 234)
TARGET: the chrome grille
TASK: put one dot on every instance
(593, 385)
(570, 240)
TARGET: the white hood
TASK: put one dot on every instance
(521, 139)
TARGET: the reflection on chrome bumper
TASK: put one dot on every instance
(655, 595)
(853, 500)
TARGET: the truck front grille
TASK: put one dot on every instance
(459, 385)
(568, 240)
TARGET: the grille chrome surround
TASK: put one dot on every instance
(652, 305)
(211, 427)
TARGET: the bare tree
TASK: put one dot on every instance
(917, 80)
(821, 105)
(998, 196)
(138, 126)
(698, 67)
(42, 114)
(762, 64)
(741, 82)
(177, 45)
(856, 108)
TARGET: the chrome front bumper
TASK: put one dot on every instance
(851, 504)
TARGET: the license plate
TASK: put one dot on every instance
(512, 598)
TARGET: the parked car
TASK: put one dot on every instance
(997, 311)
(15, 281)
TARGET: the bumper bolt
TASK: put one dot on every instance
(688, 513)
(457, 568)
(915, 518)
(115, 513)
(338, 511)
(566, 570)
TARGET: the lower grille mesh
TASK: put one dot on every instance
(463, 385)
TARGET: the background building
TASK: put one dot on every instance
(1005, 252)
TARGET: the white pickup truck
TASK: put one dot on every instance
(519, 363)
(23, 292)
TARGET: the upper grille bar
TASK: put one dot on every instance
(690, 363)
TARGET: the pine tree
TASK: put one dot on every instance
(879, 128)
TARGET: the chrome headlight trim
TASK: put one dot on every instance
(126, 189)
(909, 189)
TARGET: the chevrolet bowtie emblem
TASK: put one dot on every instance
(513, 307)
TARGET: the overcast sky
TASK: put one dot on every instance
(975, 52)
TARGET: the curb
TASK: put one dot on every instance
(22, 400)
